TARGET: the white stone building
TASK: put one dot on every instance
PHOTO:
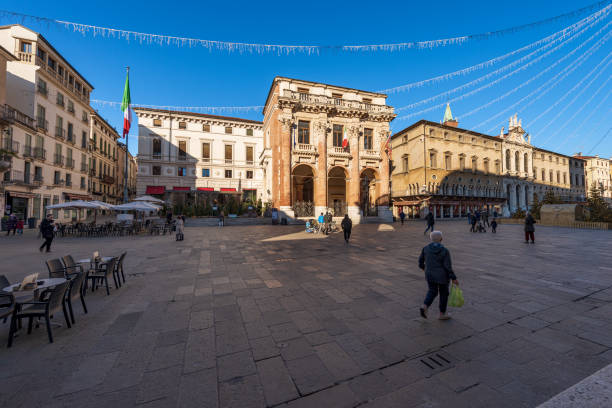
(597, 171)
(48, 101)
(182, 152)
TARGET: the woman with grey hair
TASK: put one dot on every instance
(435, 260)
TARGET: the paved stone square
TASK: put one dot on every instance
(260, 316)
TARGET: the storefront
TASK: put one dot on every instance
(18, 203)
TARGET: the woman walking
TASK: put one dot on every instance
(435, 260)
(180, 223)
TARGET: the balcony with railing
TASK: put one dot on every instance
(12, 115)
(9, 145)
(60, 132)
(39, 153)
(338, 151)
(305, 148)
(70, 108)
(27, 151)
(337, 103)
(58, 182)
(70, 163)
(13, 177)
(37, 180)
(370, 154)
(41, 89)
(68, 183)
(92, 172)
(42, 124)
(70, 138)
(58, 159)
(60, 102)
(83, 167)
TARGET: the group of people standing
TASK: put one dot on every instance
(479, 221)
(14, 224)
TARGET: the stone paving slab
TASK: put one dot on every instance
(256, 316)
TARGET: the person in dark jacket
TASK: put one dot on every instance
(529, 228)
(328, 222)
(494, 225)
(435, 260)
(430, 222)
(46, 230)
(347, 226)
(11, 224)
(473, 229)
(402, 215)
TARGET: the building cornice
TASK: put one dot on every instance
(196, 117)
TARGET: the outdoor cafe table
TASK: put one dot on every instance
(42, 284)
(91, 260)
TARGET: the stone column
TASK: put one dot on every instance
(383, 205)
(320, 182)
(353, 185)
(285, 167)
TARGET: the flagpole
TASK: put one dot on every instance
(127, 150)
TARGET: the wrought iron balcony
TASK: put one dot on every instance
(39, 153)
(13, 177)
(10, 145)
(42, 90)
(70, 163)
(42, 124)
(60, 133)
(68, 183)
(12, 115)
(58, 159)
(60, 102)
(27, 151)
(70, 108)
(84, 167)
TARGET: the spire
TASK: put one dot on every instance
(448, 116)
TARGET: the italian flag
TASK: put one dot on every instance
(125, 106)
(345, 139)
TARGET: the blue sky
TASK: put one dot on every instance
(183, 76)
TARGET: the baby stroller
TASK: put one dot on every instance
(310, 226)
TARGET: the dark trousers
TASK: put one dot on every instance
(402, 220)
(47, 243)
(429, 226)
(434, 289)
(9, 230)
(529, 235)
(494, 228)
(347, 235)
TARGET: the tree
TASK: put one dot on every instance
(598, 208)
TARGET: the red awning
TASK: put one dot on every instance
(155, 190)
(249, 189)
(206, 189)
(175, 188)
(228, 189)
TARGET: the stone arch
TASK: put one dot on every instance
(302, 176)
(369, 190)
(336, 190)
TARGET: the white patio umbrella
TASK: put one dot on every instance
(136, 206)
(149, 199)
(77, 204)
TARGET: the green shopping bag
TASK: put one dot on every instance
(456, 297)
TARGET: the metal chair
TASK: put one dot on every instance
(101, 273)
(56, 268)
(43, 308)
(70, 266)
(76, 290)
(119, 268)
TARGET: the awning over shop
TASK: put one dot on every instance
(249, 189)
(155, 190)
(407, 202)
(227, 189)
(176, 188)
(20, 194)
(206, 189)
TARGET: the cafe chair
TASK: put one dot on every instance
(102, 273)
(43, 308)
(76, 290)
(56, 268)
(70, 266)
(119, 268)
